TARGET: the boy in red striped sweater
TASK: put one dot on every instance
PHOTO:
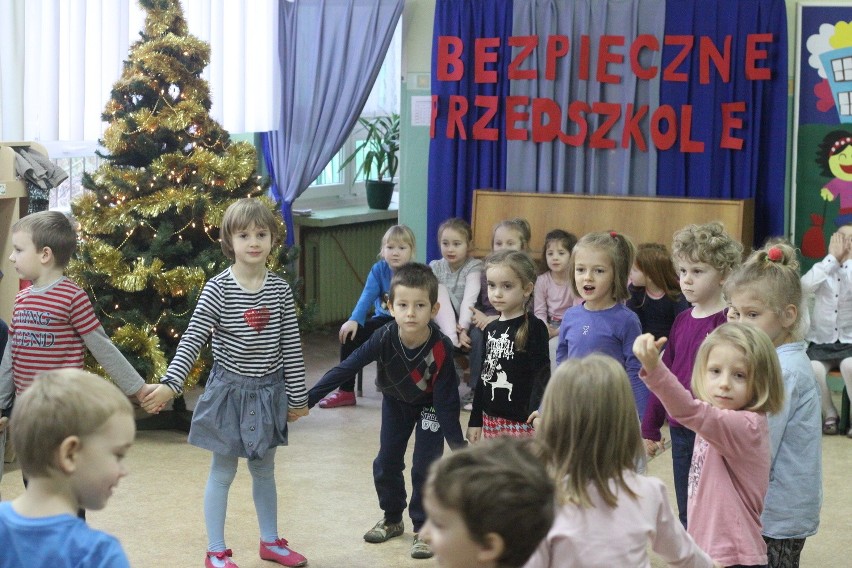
(53, 322)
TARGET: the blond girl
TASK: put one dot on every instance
(765, 292)
(737, 382)
(609, 513)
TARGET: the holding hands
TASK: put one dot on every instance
(647, 350)
(157, 399)
(294, 414)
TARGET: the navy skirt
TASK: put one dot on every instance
(240, 416)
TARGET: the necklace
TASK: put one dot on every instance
(405, 349)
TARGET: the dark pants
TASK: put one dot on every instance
(683, 439)
(361, 336)
(398, 420)
(784, 552)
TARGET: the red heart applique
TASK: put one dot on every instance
(257, 318)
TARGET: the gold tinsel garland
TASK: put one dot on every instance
(145, 343)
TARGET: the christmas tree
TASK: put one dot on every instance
(149, 225)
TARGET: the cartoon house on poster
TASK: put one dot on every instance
(838, 66)
(823, 141)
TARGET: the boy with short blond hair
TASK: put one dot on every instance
(419, 388)
(53, 321)
(704, 256)
(72, 430)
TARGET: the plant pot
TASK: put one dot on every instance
(379, 193)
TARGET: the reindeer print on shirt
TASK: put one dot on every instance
(493, 374)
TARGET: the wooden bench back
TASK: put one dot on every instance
(643, 219)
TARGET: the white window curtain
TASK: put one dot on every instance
(384, 98)
(60, 58)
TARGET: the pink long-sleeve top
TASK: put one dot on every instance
(729, 474)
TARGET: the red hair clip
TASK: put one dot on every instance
(613, 234)
(774, 254)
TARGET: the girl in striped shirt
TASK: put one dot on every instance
(256, 385)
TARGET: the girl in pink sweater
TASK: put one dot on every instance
(737, 382)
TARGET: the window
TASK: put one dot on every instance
(335, 185)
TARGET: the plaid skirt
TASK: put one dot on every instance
(494, 426)
(240, 416)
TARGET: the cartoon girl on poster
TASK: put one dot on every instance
(834, 158)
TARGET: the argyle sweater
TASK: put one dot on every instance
(423, 376)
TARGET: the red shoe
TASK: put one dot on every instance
(338, 398)
(220, 559)
(278, 551)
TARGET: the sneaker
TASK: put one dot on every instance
(420, 549)
(468, 406)
(220, 559)
(467, 398)
(384, 531)
(338, 398)
(278, 551)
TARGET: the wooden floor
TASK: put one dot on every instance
(326, 496)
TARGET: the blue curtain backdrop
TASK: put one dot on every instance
(758, 169)
(457, 167)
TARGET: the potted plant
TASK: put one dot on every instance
(380, 159)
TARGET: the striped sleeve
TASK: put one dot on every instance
(202, 323)
(291, 351)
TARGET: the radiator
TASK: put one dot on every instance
(336, 263)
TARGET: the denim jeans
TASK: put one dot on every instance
(683, 439)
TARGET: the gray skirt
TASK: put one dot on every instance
(240, 416)
(829, 351)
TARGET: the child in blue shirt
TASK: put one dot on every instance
(71, 430)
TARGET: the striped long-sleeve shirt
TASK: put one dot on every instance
(51, 328)
(255, 333)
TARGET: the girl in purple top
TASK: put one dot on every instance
(737, 382)
(602, 324)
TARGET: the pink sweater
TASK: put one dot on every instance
(729, 475)
(619, 536)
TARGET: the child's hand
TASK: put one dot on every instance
(653, 448)
(552, 331)
(837, 246)
(647, 350)
(294, 414)
(477, 317)
(474, 434)
(534, 419)
(156, 400)
(3, 421)
(144, 392)
(348, 331)
(826, 194)
(464, 339)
